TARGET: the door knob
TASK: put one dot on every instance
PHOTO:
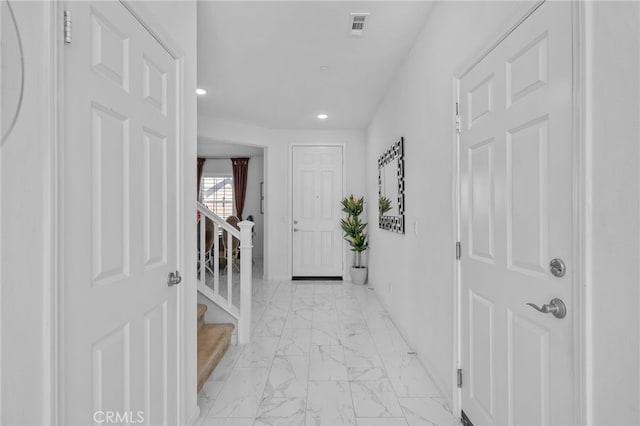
(174, 278)
(295, 229)
(556, 307)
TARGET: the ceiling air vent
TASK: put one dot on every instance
(356, 21)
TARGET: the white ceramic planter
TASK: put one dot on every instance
(359, 275)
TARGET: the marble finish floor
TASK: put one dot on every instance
(321, 354)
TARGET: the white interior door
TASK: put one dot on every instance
(316, 195)
(119, 217)
(516, 216)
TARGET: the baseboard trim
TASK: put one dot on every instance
(195, 416)
(316, 278)
(464, 419)
(448, 399)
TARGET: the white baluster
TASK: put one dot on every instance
(216, 260)
(229, 268)
(246, 249)
(203, 273)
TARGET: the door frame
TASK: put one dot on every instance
(342, 146)
(580, 200)
(54, 397)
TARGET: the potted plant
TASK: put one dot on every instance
(354, 234)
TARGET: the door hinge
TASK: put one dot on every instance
(459, 377)
(458, 250)
(458, 119)
(67, 26)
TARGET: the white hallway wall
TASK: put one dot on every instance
(277, 142)
(613, 149)
(25, 229)
(26, 397)
(419, 106)
(218, 166)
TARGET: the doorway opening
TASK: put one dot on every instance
(218, 190)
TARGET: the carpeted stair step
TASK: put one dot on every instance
(202, 308)
(213, 342)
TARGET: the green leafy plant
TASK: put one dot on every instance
(353, 206)
(353, 227)
(384, 205)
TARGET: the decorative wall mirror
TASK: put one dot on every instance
(391, 188)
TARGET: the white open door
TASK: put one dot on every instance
(119, 221)
(516, 217)
(316, 194)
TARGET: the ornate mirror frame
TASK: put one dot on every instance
(392, 222)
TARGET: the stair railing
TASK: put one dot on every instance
(209, 274)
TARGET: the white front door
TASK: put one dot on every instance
(516, 216)
(119, 221)
(316, 194)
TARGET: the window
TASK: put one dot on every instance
(217, 194)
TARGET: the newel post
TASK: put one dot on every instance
(246, 256)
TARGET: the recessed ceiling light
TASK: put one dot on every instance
(200, 91)
(322, 116)
(324, 67)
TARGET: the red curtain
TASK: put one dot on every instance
(240, 172)
(200, 167)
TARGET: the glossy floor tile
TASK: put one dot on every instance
(322, 353)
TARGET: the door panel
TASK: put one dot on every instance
(527, 69)
(481, 386)
(156, 356)
(155, 199)
(119, 189)
(480, 100)
(109, 50)
(516, 213)
(316, 195)
(528, 371)
(481, 174)
(527, 198)
(110, 189)
(111, 371)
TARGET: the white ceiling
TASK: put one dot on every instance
(261, 61)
